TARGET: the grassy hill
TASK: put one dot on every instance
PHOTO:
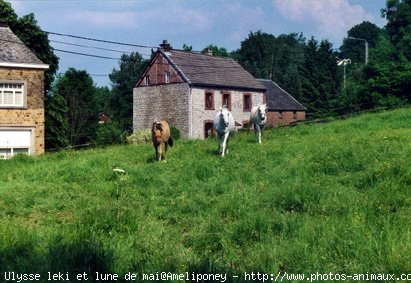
(314, 198)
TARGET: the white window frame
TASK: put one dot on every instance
(15, 87)
(147, 80)
(11, 149)
(167, 77)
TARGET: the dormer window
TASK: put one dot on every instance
(147, 80)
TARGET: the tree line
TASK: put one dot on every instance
(306, 68)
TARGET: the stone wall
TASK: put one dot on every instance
(201, 115)
(278, 118)
(33, 114)
(172, 102)
(168, 102)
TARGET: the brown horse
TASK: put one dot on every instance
(160, 133)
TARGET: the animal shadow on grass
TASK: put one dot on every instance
(151, 159)
(77, 256)
(81, 255)
(213, 151)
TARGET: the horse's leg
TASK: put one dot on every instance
(165, 150)
(255, 132)
(155, 147)
(160, 151)
(225, 142)
(259, 134)
(219, 143)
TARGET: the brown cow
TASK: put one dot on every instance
(160, 133)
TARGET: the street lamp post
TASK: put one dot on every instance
(366, 47)
(344, 62)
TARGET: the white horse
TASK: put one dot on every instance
(224, 124)
(258, 117)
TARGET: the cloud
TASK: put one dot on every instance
(103, 19)
(174, 19)
(242, 20)
(331, 19)
(182, 20)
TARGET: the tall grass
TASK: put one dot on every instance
(316, 198)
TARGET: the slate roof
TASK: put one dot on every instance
(212, 71)
(13, 50)
(280, 100)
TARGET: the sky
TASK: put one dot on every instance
(193, 22)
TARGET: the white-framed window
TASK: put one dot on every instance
(167, 77)
(12, 94)
(147, 80)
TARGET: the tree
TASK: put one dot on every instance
(216, 51)
(102, 97)
(27, 29)
(187, 47)
(56, 121)
(287, 53)
(77, 89)
(320, 81)
(256, 54)
(123, 81)
(354, 49)
(398, 15)
(268, 57)
(292, 81)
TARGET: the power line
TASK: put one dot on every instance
(92, 47)
(188, 64)
(66, 51)
(84, 54)
(98, 75)
(100, 40)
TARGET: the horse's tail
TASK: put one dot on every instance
(170, 141)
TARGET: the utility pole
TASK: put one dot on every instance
(366, 47)
(344, 62)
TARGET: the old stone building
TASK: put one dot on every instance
(21, 97)
(283, 109)
(187, 89)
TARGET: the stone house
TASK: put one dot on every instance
(21, 97)
(283, 109)
(187, 89)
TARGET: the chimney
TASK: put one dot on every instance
(4, 24)
(209, 52)
(166, 46)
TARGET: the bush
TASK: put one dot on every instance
(140, 137)
(108, 133)
(175, 133)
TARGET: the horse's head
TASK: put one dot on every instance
(224, 115)
(262, 112)
(156, 131)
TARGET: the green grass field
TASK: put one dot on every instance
(322, 198)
